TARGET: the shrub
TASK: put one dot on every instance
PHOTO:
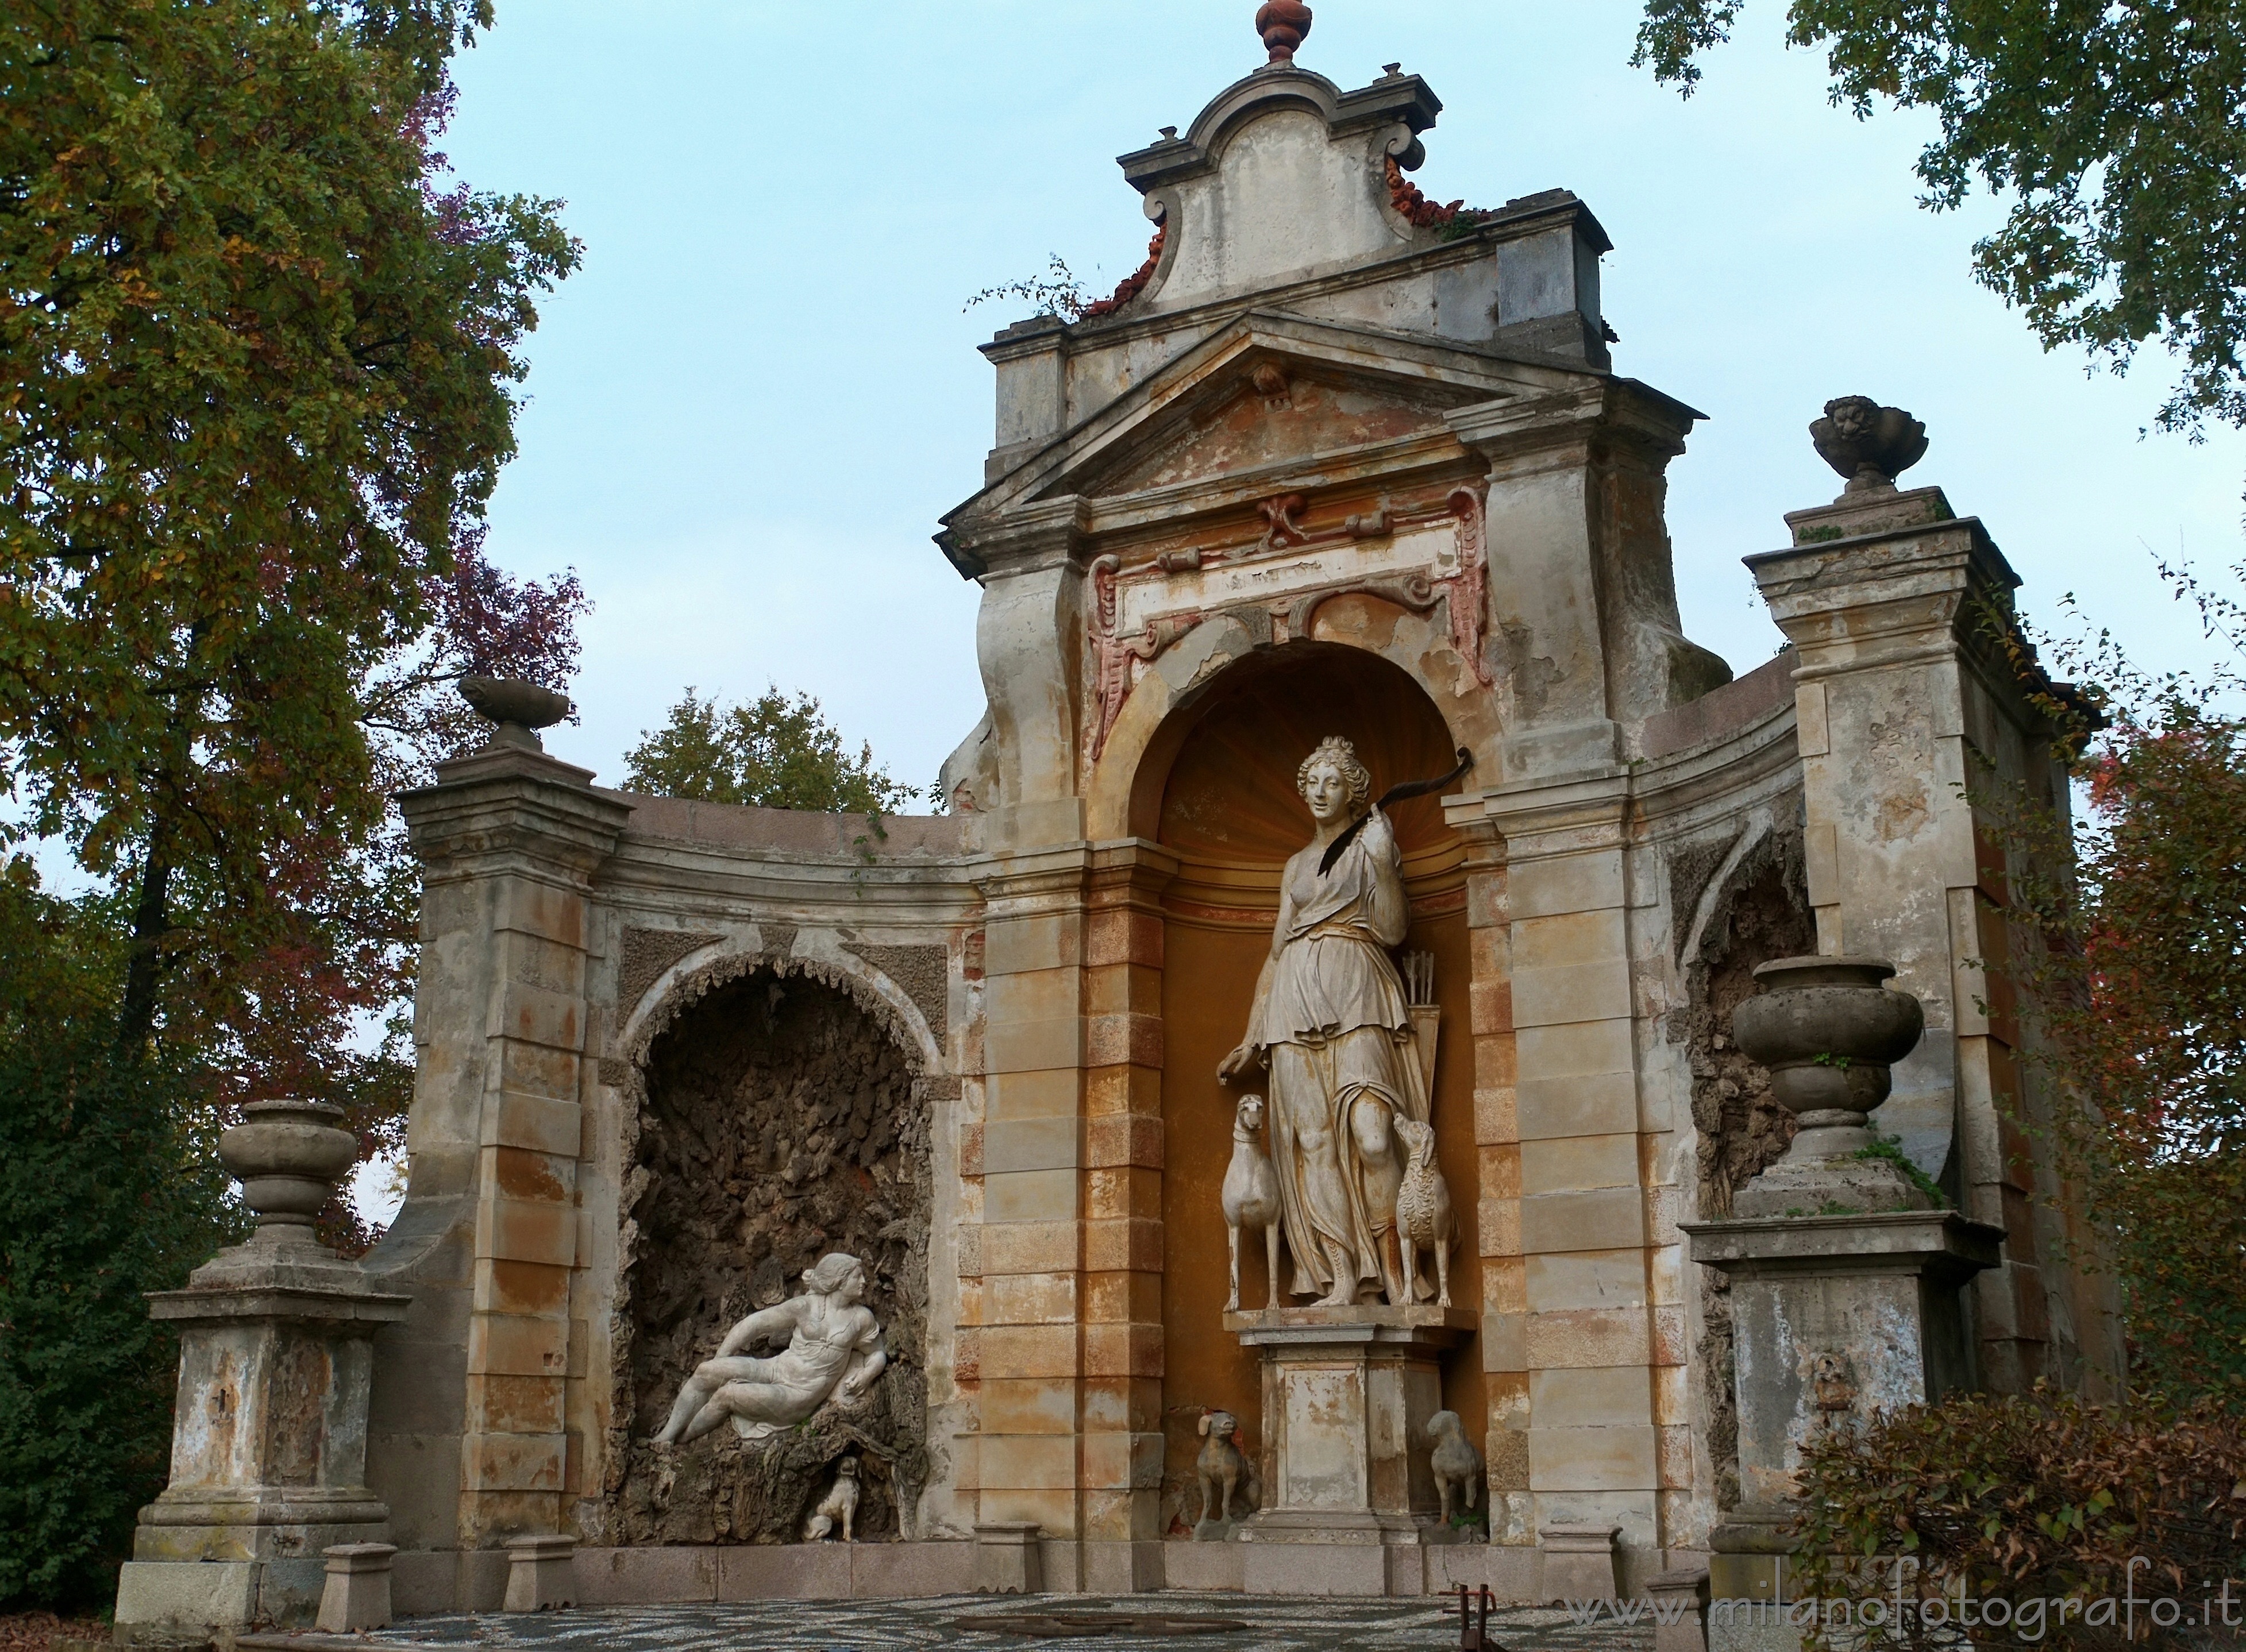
(2032, 1499)
(106, 1192)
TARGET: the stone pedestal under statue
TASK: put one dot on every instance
(268, 1437)
(1347, 1396)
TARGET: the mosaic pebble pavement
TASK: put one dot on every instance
(1274, 1624)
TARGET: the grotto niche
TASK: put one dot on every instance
(780, 1119)
(1760, 911)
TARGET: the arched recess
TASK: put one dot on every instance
(1226, 807)
(779, 1108)
(1124, 794)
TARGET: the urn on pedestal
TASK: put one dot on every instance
(1844, 1267)
(1868, 444)
(269, 1444)
(1829, 1030)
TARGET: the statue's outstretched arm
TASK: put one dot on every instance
(777, 1321)
(1390, 913)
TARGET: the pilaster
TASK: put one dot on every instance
(1915, 739)
(1590, 1339)
(489, 1239)
(1026, 1351)
(1122, 1404)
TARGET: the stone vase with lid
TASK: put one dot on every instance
(1829, 1030)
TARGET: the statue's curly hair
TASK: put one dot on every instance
(1339, 752)
(825, 1276)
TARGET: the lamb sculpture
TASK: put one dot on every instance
(1423, 1211)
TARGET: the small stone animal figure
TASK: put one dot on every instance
(1221, 1467)
(1251, 1195)
(841, 1504)
(1457, 1464)
(1423, 1210)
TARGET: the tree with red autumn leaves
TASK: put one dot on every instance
(257, 359)
(2135, 965)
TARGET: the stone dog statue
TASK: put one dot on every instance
(833, 1352)
(840, 1503)
(1221, 1467)
(1251, 1195)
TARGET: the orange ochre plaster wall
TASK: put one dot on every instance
(1231, 812)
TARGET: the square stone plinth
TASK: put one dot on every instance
(1347, 1393)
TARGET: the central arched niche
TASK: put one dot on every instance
(1228, 808)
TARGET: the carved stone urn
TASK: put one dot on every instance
(1828, 1029)
(521, 708)
(1868, 444)
(289, 1156)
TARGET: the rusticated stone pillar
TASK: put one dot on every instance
(480, 1403)
(1917, 737)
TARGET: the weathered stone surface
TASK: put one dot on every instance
(647, 953)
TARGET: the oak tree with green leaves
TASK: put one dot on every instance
(771, 752)
(2114, 129)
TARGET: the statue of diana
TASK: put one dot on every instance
(1330, 1021)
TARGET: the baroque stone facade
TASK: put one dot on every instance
(1335, 462)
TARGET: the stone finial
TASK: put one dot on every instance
(1868, 444)
(289, 1157)
(1284, 25)
(519, 708)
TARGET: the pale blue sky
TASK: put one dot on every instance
(749, 408)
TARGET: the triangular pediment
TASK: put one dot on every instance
(1267, 391)
(1276, 410)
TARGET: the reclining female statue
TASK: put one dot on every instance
(1329, 1020)
(834, 1349)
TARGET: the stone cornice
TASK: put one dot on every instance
(1567, 419)
(507, 809)
(1438, 371)
(1563, 814)
(1027, 538)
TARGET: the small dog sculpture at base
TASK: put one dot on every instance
(1456, 1463)
(841, 1504)
(1222, 1468)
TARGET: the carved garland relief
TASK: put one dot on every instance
(1276, 583)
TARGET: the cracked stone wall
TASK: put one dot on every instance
(781, 1121)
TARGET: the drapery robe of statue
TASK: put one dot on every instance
(1331, 1015)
